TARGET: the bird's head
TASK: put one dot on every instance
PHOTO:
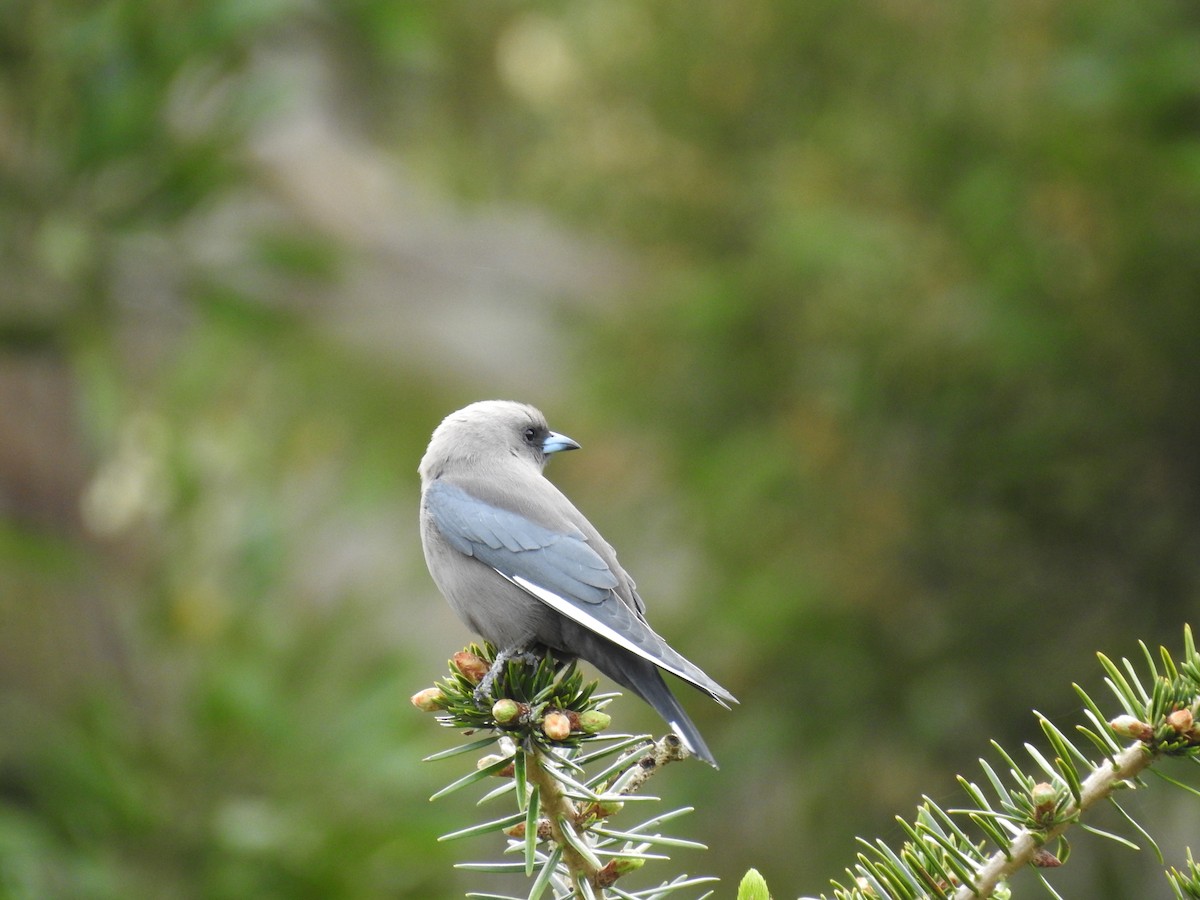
(492, 431)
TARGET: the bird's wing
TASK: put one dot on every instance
(516, 546)
(559, 568)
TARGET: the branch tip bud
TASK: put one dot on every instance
(1181, 720)
(491, 759)
(470, 666)
(429, 700)
(1043, 795)
(608, 808)
(1131, 727)
(593, 721)
(556, 726)
(506, 711)
(615, 868)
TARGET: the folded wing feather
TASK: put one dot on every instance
(559, 569)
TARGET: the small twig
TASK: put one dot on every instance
(1098, 786)
(558, 808)
(667, 749)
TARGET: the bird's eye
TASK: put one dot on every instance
(530, 434)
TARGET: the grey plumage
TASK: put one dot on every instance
(524, 569)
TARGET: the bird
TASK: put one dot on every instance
(524, 569)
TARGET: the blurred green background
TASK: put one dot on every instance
(879, 322)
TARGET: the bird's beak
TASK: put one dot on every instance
(555, 442)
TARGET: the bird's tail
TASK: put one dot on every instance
(645, 680)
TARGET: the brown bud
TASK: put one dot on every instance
(1044, 859)
(604, 809)
(429, 700)
(1131, 727)
(615, 868)
(472, 667)
(544, 831)
(1181, 720)
(556, 726)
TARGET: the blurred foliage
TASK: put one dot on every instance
(909, 385)
(919, 354)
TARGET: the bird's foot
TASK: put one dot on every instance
(483, 691)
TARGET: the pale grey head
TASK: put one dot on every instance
(489, 432)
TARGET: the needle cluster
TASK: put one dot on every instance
(569, 785)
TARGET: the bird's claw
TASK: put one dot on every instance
(483, 691)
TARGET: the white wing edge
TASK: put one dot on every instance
(573, 612)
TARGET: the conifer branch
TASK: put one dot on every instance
(559, 766)
(945, 858)
(1024, 849)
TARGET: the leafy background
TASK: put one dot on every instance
(878, 321)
